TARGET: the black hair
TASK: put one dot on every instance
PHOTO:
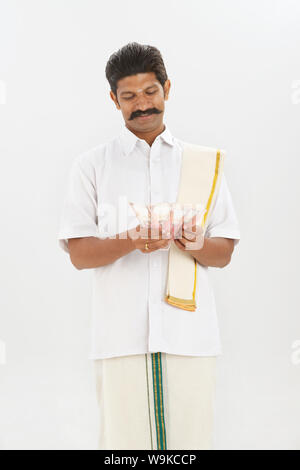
(134, 58)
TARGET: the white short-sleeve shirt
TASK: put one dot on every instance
(129, 313)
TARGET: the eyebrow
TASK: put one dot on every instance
(125, 92)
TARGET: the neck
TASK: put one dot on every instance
(149, 136)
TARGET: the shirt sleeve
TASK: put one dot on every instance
(223, 220)
(79, 212)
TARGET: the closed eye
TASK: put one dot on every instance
(148, 93)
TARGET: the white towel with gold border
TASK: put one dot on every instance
(200, 178)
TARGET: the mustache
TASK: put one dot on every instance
(148, 112)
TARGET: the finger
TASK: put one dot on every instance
(179, 243)
(189, 236)
(193, 234)
(160, 243)
(165, 242)
(149, 248)
(182, 240)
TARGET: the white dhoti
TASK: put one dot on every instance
(156, 401)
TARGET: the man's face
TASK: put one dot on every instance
(141, 94)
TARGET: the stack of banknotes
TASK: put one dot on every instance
(172, 217)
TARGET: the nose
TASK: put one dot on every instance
(142, 103)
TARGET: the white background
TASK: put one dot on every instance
(234, 68)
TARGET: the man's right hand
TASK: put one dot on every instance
(155, 240)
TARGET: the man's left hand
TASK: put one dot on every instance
(192, 237)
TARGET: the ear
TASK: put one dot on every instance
(115, 99)
(167, 87)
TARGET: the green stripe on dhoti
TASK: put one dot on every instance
(158, 401)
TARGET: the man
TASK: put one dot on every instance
(155, 363)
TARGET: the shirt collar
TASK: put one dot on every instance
(128, 139)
